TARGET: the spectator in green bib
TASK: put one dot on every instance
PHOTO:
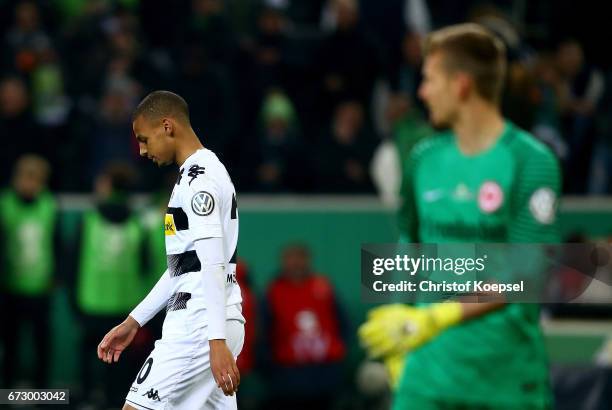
(28, 218)
(110, 276)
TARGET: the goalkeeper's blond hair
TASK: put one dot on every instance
(472, 49)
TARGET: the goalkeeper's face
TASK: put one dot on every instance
(155, 139)
(439, 91)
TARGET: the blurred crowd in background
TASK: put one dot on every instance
(301, 96)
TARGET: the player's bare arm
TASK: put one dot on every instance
(117, 340)
(120, 337)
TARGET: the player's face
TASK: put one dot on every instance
(155, 140)
(438, 91)
(29, 183)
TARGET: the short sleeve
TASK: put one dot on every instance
(535, 200)
(202, 204)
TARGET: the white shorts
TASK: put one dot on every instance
(177, 374)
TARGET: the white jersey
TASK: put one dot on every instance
(202, 205)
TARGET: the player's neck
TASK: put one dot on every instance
(478, 127)
(187, 146)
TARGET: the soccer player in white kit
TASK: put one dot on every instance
(193, 365)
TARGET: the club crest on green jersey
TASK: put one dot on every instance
(490, 197)
(542, 205)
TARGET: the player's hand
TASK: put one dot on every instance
(115, 341)
(397, 329)
(223, 367)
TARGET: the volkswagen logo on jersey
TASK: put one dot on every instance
(202, 203)
(542, 205)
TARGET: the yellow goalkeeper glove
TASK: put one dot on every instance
(397, 329)
(395, 368)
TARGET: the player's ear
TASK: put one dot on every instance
(168, 127)
(464, 85)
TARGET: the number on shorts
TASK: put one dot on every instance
(142, 375)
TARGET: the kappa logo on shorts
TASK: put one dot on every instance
(202, 203)
(152, 395)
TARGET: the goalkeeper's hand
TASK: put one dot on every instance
(395, 367)
(397, 329)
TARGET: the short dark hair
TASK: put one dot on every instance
(297, 247)
(122, 176)
(160, 104)
(472, 49)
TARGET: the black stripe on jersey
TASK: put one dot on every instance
(181, 263)
(178, 301)
(233, 260)
(180, 218)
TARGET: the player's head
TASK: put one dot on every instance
(30, 176)
(346, 13)
(296, 261)
(116, 180)
(462, 62)
(157, 121)
(570, 58)
(348, 120)
(14, 98)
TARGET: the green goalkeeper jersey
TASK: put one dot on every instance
(508, 193)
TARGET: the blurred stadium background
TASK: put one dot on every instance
(312, 105)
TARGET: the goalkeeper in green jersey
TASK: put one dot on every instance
(484, 180)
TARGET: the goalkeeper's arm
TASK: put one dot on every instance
(398, 329)
(473, 310)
